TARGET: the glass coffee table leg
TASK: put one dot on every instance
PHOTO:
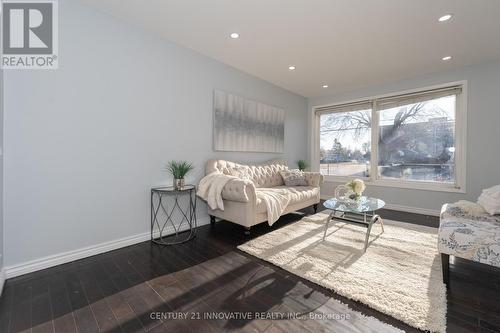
(326, 224)
(369, 228)
(373, 220)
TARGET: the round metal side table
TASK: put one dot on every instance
(173, 214)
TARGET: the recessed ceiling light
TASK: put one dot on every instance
(325, 86)
(234, 35)
(292, 68)
(447, 58)
(445, 18)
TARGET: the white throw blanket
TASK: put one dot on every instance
(275, 200)
(210, 189)
(211, 186)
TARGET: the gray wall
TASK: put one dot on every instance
(483, 134)
(85, 143)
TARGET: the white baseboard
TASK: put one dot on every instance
(401, 208)
(416, 210)
(65, 257)
(2, 280)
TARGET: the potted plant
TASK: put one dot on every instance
(302, 164)
(179, 169)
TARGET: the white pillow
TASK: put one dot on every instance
(293, 178)
(490, 204)
(493, 192)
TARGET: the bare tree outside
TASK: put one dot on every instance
(416, 141)
(345, 143)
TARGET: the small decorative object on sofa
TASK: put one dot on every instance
(302, 165)
(179, 170)
(357, 187)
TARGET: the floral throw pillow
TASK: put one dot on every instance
(294, 178)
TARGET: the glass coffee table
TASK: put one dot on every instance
(360, 212)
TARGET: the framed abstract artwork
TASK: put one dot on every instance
(241, 124)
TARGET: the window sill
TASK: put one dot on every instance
(424, 186)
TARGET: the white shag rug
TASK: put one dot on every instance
(399, 275)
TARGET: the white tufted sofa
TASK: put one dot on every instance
(241, 205)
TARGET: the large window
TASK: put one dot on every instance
(345, 145)
(408, 139)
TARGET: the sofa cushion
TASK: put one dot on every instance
(294, 178)
(297, 194)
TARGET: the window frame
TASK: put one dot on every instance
(460, 144)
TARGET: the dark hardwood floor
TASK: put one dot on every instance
(120, 290)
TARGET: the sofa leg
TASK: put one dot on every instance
(315, 207)
(247, 231)
(212, 220)
(445, 261)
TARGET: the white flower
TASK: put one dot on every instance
(357, 186)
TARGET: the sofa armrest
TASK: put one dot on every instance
(239, 190)
(314, 178)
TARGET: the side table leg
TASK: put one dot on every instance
(326, 224)
(194, 211)
(152, 209)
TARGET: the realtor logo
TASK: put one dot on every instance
(29, 34)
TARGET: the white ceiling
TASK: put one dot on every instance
(346, 44)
